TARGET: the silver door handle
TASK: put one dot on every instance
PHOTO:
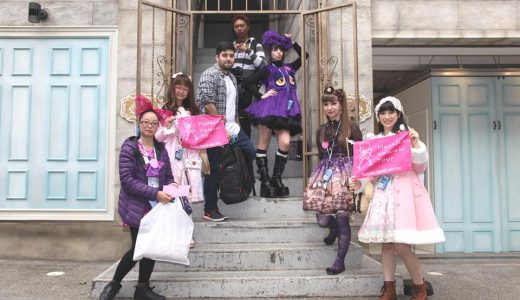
(494, 125)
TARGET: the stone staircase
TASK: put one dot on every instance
(269, 248)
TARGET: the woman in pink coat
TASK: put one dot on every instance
(400, 213)
(186, 163)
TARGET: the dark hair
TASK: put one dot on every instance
(147, 111)
(189, 104)
(329, 95)
(223, 46)
(241, 17)
(389, 106)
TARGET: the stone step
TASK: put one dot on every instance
(258, 207)
(272, 256)
(363, 281)
(236, 231)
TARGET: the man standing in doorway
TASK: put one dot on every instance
(217, 94)
(249, 57)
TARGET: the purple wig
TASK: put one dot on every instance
(271, 38)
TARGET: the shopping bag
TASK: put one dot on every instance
(165, 234)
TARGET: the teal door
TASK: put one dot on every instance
(473, 120)
(508, 127)
(53, 124)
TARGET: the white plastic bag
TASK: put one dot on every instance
(165, 234)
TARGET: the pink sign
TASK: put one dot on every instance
(379, 156)
(177, 191)
(202, 132)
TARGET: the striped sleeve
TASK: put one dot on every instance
(258, 56)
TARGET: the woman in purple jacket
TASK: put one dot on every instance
(144, 168)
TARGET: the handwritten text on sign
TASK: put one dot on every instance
(379, 156)
(203, 131)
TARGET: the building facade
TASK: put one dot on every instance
(64, 81)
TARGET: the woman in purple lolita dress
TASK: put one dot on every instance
(278, 109)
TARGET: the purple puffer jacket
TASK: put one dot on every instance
(135, 192)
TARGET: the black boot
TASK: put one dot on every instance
(276, 179)
(344, 235)
(110, 291)
(143, 291)
(267, 190)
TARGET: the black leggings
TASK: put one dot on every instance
(127, 263)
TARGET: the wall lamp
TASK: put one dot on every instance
(36, 13)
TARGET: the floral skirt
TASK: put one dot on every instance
(334, 195)
(379, 224)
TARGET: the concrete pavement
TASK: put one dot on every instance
(453, 277)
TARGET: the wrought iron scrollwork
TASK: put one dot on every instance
(166, 66)
(182, 23)
(327, 70)
(310, 20)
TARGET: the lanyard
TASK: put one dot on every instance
(330, 149)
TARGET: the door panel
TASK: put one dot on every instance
(451, 186)
(465, 169)
(53, 123)
(508, 116)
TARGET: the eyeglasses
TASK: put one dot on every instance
(146, 123)
(182, 88)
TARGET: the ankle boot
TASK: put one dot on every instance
(143, 291)
(388, 291)
(276, 179)
(344, 236)
(419, 292)
(267, 190)
(110, 291)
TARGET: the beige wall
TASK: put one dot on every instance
(62, 12)
(471, 20)
(417, 104)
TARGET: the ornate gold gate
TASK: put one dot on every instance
(333, 50)
(167, 44)
(167, 34)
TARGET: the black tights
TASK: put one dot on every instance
(127, 263)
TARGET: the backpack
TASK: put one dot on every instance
(235, 182)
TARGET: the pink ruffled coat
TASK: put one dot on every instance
(188, 169)
(403, 212)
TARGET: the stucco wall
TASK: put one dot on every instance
(62, 13)
(470, 20)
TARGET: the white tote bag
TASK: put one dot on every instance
(165, 234)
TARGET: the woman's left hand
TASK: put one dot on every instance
(354, 184)
(169, 122)
(414, 135)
